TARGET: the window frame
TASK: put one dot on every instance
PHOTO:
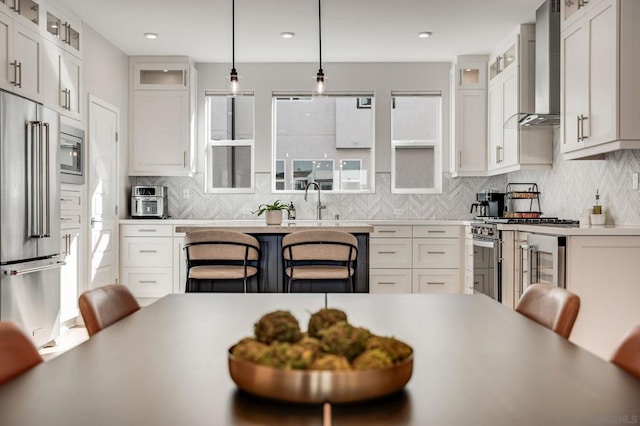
(370, 185)
(211, 143)
(436, 144)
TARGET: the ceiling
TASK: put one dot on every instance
(352, 30)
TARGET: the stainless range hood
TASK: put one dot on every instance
(547, 80)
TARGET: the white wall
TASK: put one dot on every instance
(105, 75)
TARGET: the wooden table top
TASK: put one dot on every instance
(476, 362)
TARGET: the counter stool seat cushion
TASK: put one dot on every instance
(550, 306)
(17, 353)
(220, 272)
(319, 272)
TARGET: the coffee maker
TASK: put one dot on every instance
(490, 204)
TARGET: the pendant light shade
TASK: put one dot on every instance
(320, 88)
(234, 85)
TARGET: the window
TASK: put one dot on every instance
(324, 139)
(416, 146)
(230, 143)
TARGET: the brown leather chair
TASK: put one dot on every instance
(103, 306)
(326, 255)
(553, 307)
(627, 356)
(17, 352)
(221, 255)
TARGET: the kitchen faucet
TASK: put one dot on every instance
(320, 206)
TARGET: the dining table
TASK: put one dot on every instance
(475, 362)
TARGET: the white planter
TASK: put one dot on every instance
(274, 217)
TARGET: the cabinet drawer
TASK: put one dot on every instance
(436, 231)
(69, 220)
(147, 252)
(70, 200)
(436, 281)
(390, 253)
(389, 281)
(150, 230)
(436, 253)
(389, 231)
(148, 283)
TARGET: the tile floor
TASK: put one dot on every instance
(68, 339)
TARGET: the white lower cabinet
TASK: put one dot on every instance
(146, 259)
(415, 259)
(603, 272)
(72, 240)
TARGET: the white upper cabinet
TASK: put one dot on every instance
(162, 117)
(573, 10)
(511, 91)
(62, 81)
(469, 116)
(600, 96)
(63, 30)
(21, 57)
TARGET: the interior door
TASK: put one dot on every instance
(103, 186)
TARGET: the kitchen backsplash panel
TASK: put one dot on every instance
(565, 189)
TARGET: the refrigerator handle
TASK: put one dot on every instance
(46, 205)
(25, 271)
(33, 179)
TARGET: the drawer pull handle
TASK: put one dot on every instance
(147, 251)
(386, 252)
(147, 230)
(66, 218)
(435, 283)
(435, 252)
(386, 283)
(148, 282)
(436, 232)
(382, 231)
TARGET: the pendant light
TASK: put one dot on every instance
(233, 77)
(320, 86)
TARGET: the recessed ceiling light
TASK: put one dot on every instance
(425, 34)
(287, 34)
(151, 36)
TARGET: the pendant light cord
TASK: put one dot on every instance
(320, 32)
(233, 34)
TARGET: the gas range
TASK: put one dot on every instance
(487, 227)
(547, 221)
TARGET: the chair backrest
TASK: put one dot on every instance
(221, 245)
(553, 307)
(103, 306)
(322, 245)
(17, 353)
(627, 355)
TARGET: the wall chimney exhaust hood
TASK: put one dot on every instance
(547, 71)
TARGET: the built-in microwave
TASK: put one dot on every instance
(71, 155)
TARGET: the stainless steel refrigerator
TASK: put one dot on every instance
(29, 218)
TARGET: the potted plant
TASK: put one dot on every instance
(273, 212)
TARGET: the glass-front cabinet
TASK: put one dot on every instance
(471, 75)
(161, 77)
(63, 31)
(28, 9)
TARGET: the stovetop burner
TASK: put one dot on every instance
(552, 221)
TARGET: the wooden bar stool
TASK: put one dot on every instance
(627, 355)
(221, 255)
(17, 353)
(319, 255)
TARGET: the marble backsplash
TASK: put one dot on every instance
(565, 189)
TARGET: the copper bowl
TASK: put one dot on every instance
(317, 386)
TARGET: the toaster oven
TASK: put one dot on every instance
(149, 202)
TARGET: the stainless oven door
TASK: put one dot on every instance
(486, 267)
(546, 257)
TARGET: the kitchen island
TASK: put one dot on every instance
(142, 239)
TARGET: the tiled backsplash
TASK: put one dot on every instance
(567, 188)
